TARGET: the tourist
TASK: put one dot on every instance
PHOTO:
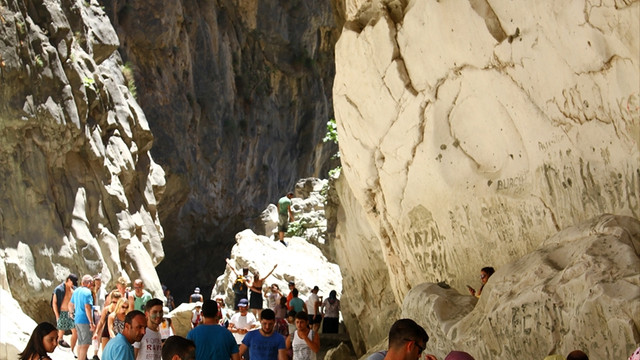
(304, 341)
(458, 355)
(296, 304)
(121, 346)
(178, 348)
(485, 273)
(265, 344)
(166, 326)
(116, 318)
(331, 314)
(407, 341)
(196, 296)
(273, 297)
(43, 340)
(225, 314)
(60, 304)
(255, 303)
(82, 304)
(292, 285)
(282, 326)
(121, 285)
(167, 294)
(242, 321)
(140, 296)
(196, 315)
(240, 286)
(150, 346)
(313, 307)
(291, 322)
(577, 355)
(102, 329)
(212, 341)
(284, 215)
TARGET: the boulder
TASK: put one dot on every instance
(299, 261)
(16, 326)
(579, 290)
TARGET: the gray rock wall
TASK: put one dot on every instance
(237, 93)
(78, 188)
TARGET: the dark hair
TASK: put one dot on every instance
(74, 279)
(176, 345)
(301, 315)
(210, 308)
(291, 313)
(151, 303)
(333, 295)
(488, 270)
(267, 314)
(577, 355)
(34, 346)
(294, 292)
(132, 314)
(406, 330)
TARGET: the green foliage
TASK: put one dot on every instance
(332, 132)
(332, 136)
(295, 228)
(39, 61)
(88, 82)
(127, 72)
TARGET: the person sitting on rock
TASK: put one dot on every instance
(485, 273)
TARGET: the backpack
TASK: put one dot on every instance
(239, 287)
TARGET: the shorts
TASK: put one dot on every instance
(315, 319)
(283, 222)
(84, 334)
(65, 322)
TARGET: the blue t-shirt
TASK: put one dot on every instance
(79, 298)
(213, 342)
(118, 348)
(296, 304)
(263, 347)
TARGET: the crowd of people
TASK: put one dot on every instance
(130, 324)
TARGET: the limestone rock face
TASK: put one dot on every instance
(470, 131)
(579, 290)
(237, 94)
(78, 187)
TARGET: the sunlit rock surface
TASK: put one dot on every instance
(78, 187)
(470, 131)
(579, 290)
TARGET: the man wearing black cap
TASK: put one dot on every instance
(60, 304)
(242, 321)
(213, 341)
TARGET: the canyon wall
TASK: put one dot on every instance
(79, 189)
(237, 94)
(470, 131)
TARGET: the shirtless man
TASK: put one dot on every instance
(60, 304)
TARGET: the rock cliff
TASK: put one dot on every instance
(237, 93)
(470, 131)
(79, 190)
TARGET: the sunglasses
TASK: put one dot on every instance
(420, 348)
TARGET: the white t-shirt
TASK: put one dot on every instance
(242, 322)
(150, 347)
(311, 302)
